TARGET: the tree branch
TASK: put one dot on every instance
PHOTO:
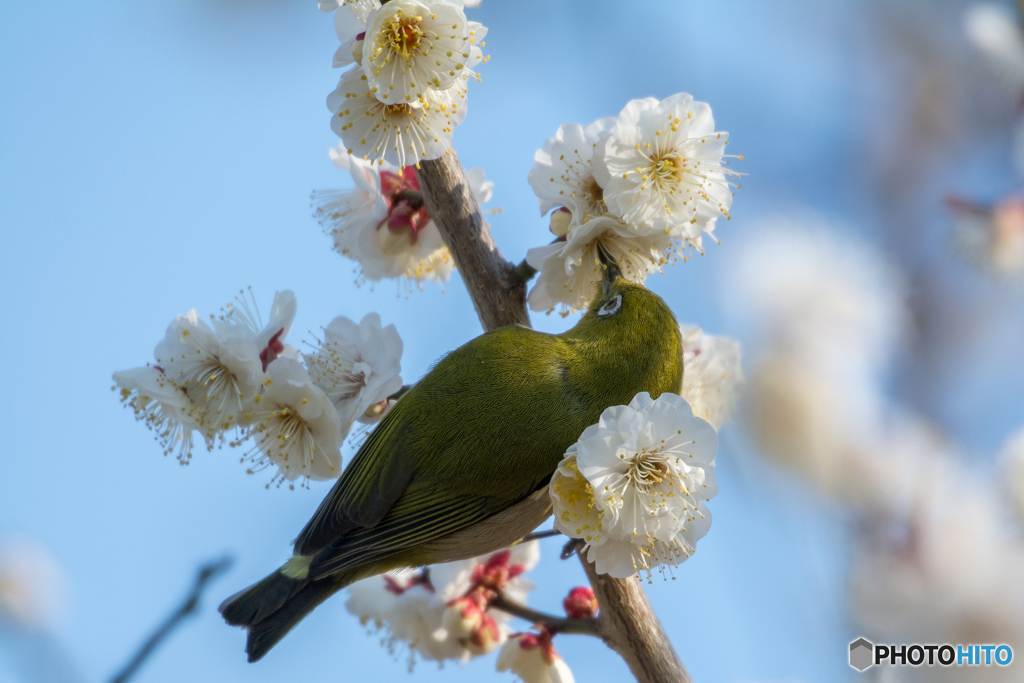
(628, 625)
(626, 621)
(499, 295)
(586, 627)
(206, 574)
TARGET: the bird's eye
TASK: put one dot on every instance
(611, 306)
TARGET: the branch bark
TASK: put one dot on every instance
(498, 294)
(626, 622)
(587, 627)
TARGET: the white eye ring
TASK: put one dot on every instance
(610, 307)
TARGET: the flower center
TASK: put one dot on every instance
(648, 468)
(594, 196)
(402, 34)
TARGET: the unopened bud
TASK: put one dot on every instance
(375, 412)
(580, 603)
(485, 638)
(560, 219)
(357, 48)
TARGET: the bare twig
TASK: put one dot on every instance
(498, 293)
(206, 574)
(586, 627)
(537, 535)
(626, 621)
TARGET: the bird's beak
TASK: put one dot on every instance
(610, 267)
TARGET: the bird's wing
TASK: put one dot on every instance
(451, 452)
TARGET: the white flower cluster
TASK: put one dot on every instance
(236, 375)
(643, 186)
(443, 612)
(382, 223)
(407, 92)
(634, 486)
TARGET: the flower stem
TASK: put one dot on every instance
(587, 627)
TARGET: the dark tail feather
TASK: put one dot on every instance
(265, 634)
(261, 600)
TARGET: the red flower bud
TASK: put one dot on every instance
(580, 603)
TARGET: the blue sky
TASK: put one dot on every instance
(159, 156)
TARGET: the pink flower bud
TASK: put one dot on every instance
(580, 603)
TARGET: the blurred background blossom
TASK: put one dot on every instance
(160, 156)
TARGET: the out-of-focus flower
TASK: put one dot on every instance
(634, 485)
(532, 657)
(819, 295)
(294, 426)
(162, 406)
(500, 571)
(563, 173)
(413, 47)
(580, 603)
(382, 223)
(401, 605)
(570, 269)
(712, 374)
(662, 167)
(357, 365)
(951, 576)
(33, 588)
(403, 133)
(997, 34)
(1012, 462)
(991, 238)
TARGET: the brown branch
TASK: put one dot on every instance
(586, 627)
(626, 622)
(498, 294)
(537, 535)
(206, 574)
(628, 625)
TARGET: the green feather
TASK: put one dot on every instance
(480, 433)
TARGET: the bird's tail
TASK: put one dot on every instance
(270, 608)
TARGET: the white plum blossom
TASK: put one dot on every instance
(295, 427)
(532, 657)
(163, 407)
(570, 269)
(383, 224)
(205, 377)
(357, 365)
(712, 374)
(220, 374)
(634, 486)
(661, 167)
(33, 588)
(413, 47)
(563, 173)
(401, 133)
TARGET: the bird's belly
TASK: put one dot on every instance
(494, 533)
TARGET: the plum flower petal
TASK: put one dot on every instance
(662, 167)
(357, 365)
(712, 374)
(634, 486)
(295, 426)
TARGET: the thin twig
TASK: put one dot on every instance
(586, 627)
(537, 535)
(206, 574)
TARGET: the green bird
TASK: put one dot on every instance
(459, 467)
